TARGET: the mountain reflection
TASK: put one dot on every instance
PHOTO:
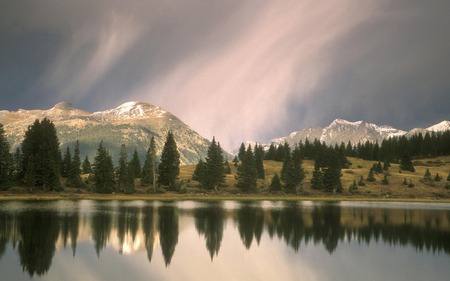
(37, 230)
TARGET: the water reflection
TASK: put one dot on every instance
(37, 230)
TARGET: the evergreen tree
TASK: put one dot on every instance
(149, 168)
(66, 164)
(448, 177)
(353, 187)
(371, 176)
(17, 163)
(405, 182)
(427, 175)
(332, 174)
(378, 168)
(125, 182)
(361, 181)
(74, 171)
(259, 157)
(317, 176)
(410, 185)
(406, 163)
(169, 168)
(87, 169)
(246, 172)
(103, 171)
(386, 166)
(241, 152)
(41, 144)
(214, 170)
(6, 161)
(199, 172)
(235, 161)
(271, 153)
(135, 165)
(275, 184)
(292, 173)
(437, 177)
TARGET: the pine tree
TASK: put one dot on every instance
(66, 164)
(437, 177)
(410, 185)
(371, 176)
(169, 168)
(317, 176)
(406, 163)
(271, 153)
(103, 171)
(149, 168)
(6, 161)
(361, 182)
(386, 166)
(332, 174)
(259, 157)
(41, 144)
(275, 184)
(405, 182)
(74, 171)
(125, 182)
(241, 152)
(214, 173)
(199, 171)
(87, 169)
(246, 172)
(292, 173)
(427, 176)
(448, 177)
(135, 165)
(236, 161)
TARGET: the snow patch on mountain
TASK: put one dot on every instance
(440, 127)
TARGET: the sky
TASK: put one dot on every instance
(237, 70)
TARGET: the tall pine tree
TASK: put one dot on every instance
(74, 172)
(103, 171)
(169, 168)
(41, 146)
(135, 165)
(149, 168)
(6, 161)
(246, 172)
(214, 172)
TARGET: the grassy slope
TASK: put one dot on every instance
(372, 191)
(359, 167)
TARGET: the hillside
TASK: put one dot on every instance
(341, 130)
(132, 124)
(359, 167)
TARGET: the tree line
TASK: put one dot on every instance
(38, 162)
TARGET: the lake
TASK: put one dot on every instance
(226, 240)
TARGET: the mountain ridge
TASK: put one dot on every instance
(131, 123)
(341, 130)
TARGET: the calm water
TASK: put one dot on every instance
(139, 240)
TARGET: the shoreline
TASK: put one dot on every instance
(210, 197)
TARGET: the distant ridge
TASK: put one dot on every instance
(132, 123)
(341, 130)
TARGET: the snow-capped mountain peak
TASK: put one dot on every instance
(133, 110)
(440, 127)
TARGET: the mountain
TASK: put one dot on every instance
(132, 124)
(345, 131)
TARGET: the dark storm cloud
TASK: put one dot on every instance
(234, 69)
(390, 69)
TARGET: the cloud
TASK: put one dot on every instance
(237, 70)
(242, 91)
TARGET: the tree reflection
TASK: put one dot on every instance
(168, 231)
(101, 225)
(127, 223)
(209, 222)
(250, 223)
(39, 232)
(149, 229)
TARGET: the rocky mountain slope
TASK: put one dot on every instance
(344, 131)
(132, 124)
